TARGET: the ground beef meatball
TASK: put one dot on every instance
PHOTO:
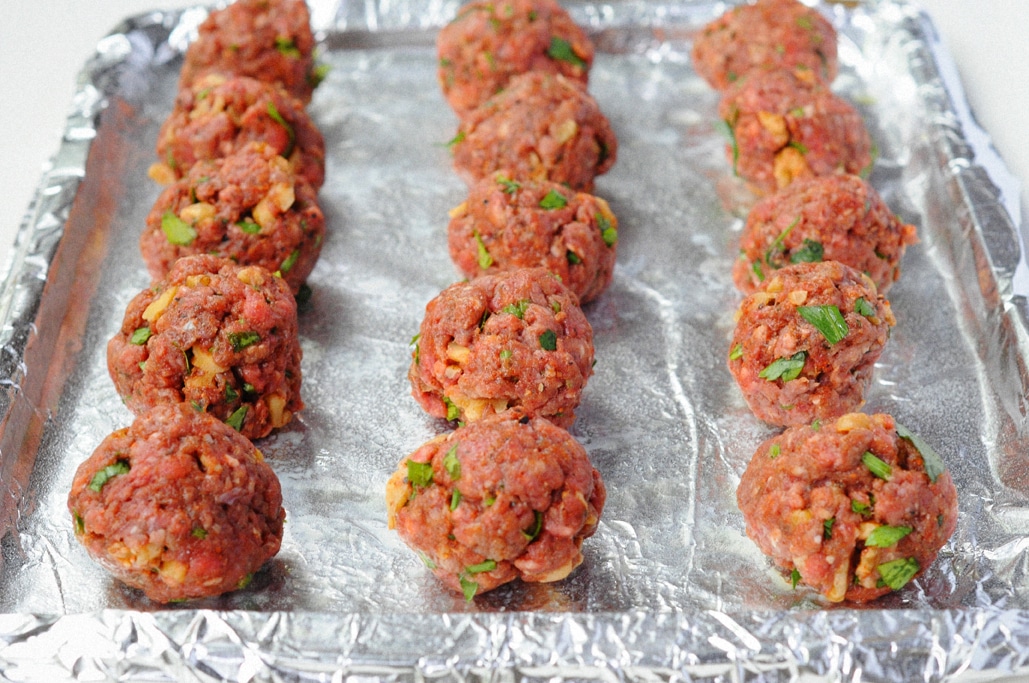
(806, 342)
(541, 127)
(487, 43)
(513, 339)
(217, 116)
(769, 34)
(178, 505)
(517, 224)
(782, 128)
(220, 337)
(508, 497)
(855, 508)
(833, 218)
(248, 207)
(269, 40)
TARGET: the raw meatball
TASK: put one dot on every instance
(514, 339)
(217, 116)
(806, 342)
(783, 128)
(770, 34)
(487, 43)
(505, 498)
(218, 336)
(541, 127)
(269, 40)
(248, 207)
(855, 508)
(510, 224)
(178, 505)
(833, 218)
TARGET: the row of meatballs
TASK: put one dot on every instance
(851, 504)
(510, 494)
(182, 504)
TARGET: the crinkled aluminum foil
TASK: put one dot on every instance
(671, 589)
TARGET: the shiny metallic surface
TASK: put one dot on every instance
(671, 588)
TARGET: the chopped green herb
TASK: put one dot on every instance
(230, 393)
(794, 578)
(277, 117)
(729, 132)
(774, 451)
(140, 336)
(199, 532)
(897, 573)
(177, 231)
(419, 473)
(874, 156)
(798, 112)
(236, 419)
(241, 340)
(827, 528)
(810, 252)
(318, 74)
(799, 146)
(517, 309)
(468, 587)
(486, 566)
(864, 308)
(426, 560)
(608, 232)
(553, 200)
(248, 388)
(887, 536)
(197, 406)
(548, 340)
(80, 524)
(248, 226)
(456, 140)
(555, 306)
(759, 272)
(105, 475)
(537, 525)
(245, 581)
(455, 499)
(561, 50)
(506, 354)
(876, 466)
(863, 509)
(417, 347)
(786, 369)
(451, 464)
(453, 412)
(287, 47)
(778, 245)
(816, 424)
(934, 466)
(572, 257)
(488, 500)
(828, 320)
(290, 261)
(804, 22)
(485, 260)
(510, 186)
(736, 353)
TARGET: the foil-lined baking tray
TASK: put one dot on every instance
(671, 589)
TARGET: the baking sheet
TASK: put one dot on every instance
(671, 588)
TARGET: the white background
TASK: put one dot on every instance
(44, 44)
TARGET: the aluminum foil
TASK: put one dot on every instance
(671, 589)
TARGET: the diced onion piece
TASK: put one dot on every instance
(797, 297)
(789, 165)
(566, 130)
(156, 308)
(173, 572)
(201, 280)
(252, 276)
(282, 195)
(161, 173)
(197, 212)
(840, 581)
(458, 353)
(280, 417)
(852, 421)
(459, 210)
